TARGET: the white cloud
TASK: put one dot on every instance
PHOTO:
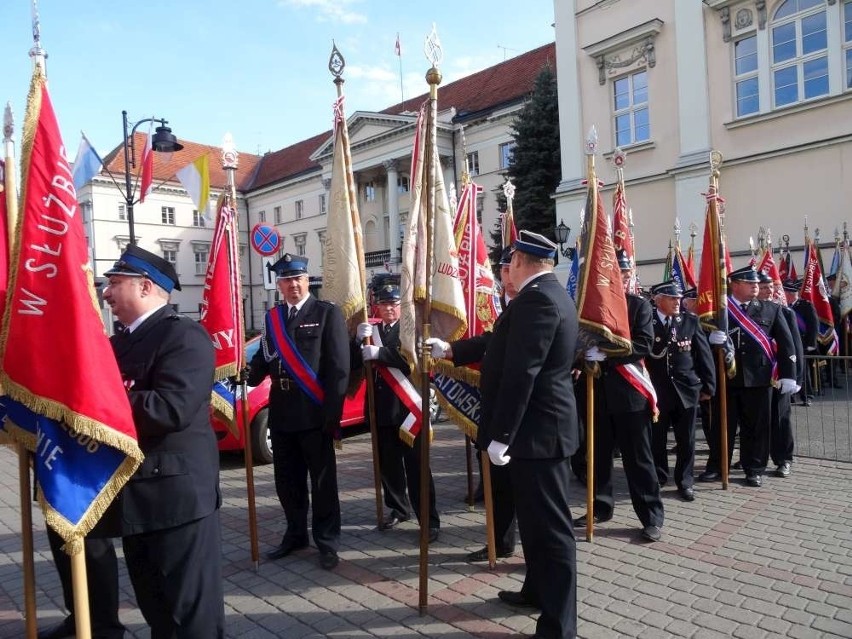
(331, 10)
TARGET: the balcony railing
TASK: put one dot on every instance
(376, 258)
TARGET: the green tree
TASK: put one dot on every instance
(535, 165)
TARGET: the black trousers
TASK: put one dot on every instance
(177, 577)
(102, 578)
(781, 433)
(632, 432)
(400, 469)
(296, 455)
(540, 489)
(503, 500)
(682, 422)
(750, 410)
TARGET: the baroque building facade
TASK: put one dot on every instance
(767, 83)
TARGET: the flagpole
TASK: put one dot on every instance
(399, 56)
(592, 369)
(230, 161)
(433, 51)
(336, 64)
(718, 292)
(11, 190)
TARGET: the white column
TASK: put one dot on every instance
(392, 168)
(692, 91)
(568, 92)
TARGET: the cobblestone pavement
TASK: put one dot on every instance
(747, 563)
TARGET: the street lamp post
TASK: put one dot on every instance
(163, 141)
(562, 231)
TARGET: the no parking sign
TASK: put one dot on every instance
(265, 239)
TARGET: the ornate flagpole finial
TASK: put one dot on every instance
(836, 235)
(591, 141)
(336, 63)
(37, 53)
(432, 48)
(715, 163)
(816, 235)
(230, 157)
(509, 190)
(693, 230)
(618, 158)
(8, 123)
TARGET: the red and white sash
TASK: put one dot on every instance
(750, 327)
(637, 376)
(408, 395)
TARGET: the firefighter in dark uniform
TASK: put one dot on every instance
(749, 393)
(623, 418)
(170, 507)
(781, 428)
(302, 422)
(808, 327)
(681, 369)
(399, 462)
(529, 425)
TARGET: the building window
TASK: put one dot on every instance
(630, 109)
(799, 45)
(262, 216)
(198, 219)
(201, 252)
(168, 215)
(506, 151)
(402, 184)
(122, 212)
(170, 255)
(847, 41)
(745, 76)
(277, 211)
(369, 192)
(300, 241)
(300, 209)
(322, 204)
(472, 161)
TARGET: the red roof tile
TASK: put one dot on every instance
(164, 171)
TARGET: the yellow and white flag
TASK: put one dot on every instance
(448, 318)
(195, 178)
(343, 257)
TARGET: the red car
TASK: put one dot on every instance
(261, 444)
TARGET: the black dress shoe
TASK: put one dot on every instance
(392, 521)
(434, 534)
(755, 481)
(482, 555)
(783, 470)
(64, 628)
(329, 560)
(651, 533)
(516, 598)
(286, 546)
(737, 466)
(687, 493)
(709, 475)
(580, 522)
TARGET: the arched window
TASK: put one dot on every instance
(799, 51)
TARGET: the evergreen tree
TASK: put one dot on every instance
(535, 166)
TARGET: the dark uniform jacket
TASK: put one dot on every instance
(680, 363)
(807, 322)
(320, 335)
(390, 411)
(790, 317)
(753, 367)
(168, 364)
(527, 389)
(619, 395)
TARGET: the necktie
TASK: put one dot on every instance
(668, 324)
(292, 315)
(744, 306)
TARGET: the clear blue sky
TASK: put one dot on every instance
(256, 68)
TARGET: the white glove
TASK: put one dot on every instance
(364, 331)
(811, 349)
(798, 388)
(440, 348)
(368, 352)
(497, 453)
(594, 354)
(717, 338)
(787, 386)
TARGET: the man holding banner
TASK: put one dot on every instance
(170, 507)
(396, 402)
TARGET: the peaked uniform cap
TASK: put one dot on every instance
(290, 266)
(534, 244)
(624, 262)
(744, 274)
(137, 262)
(792, 286)
(506, 256)
(669, 288)
(388, 293)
